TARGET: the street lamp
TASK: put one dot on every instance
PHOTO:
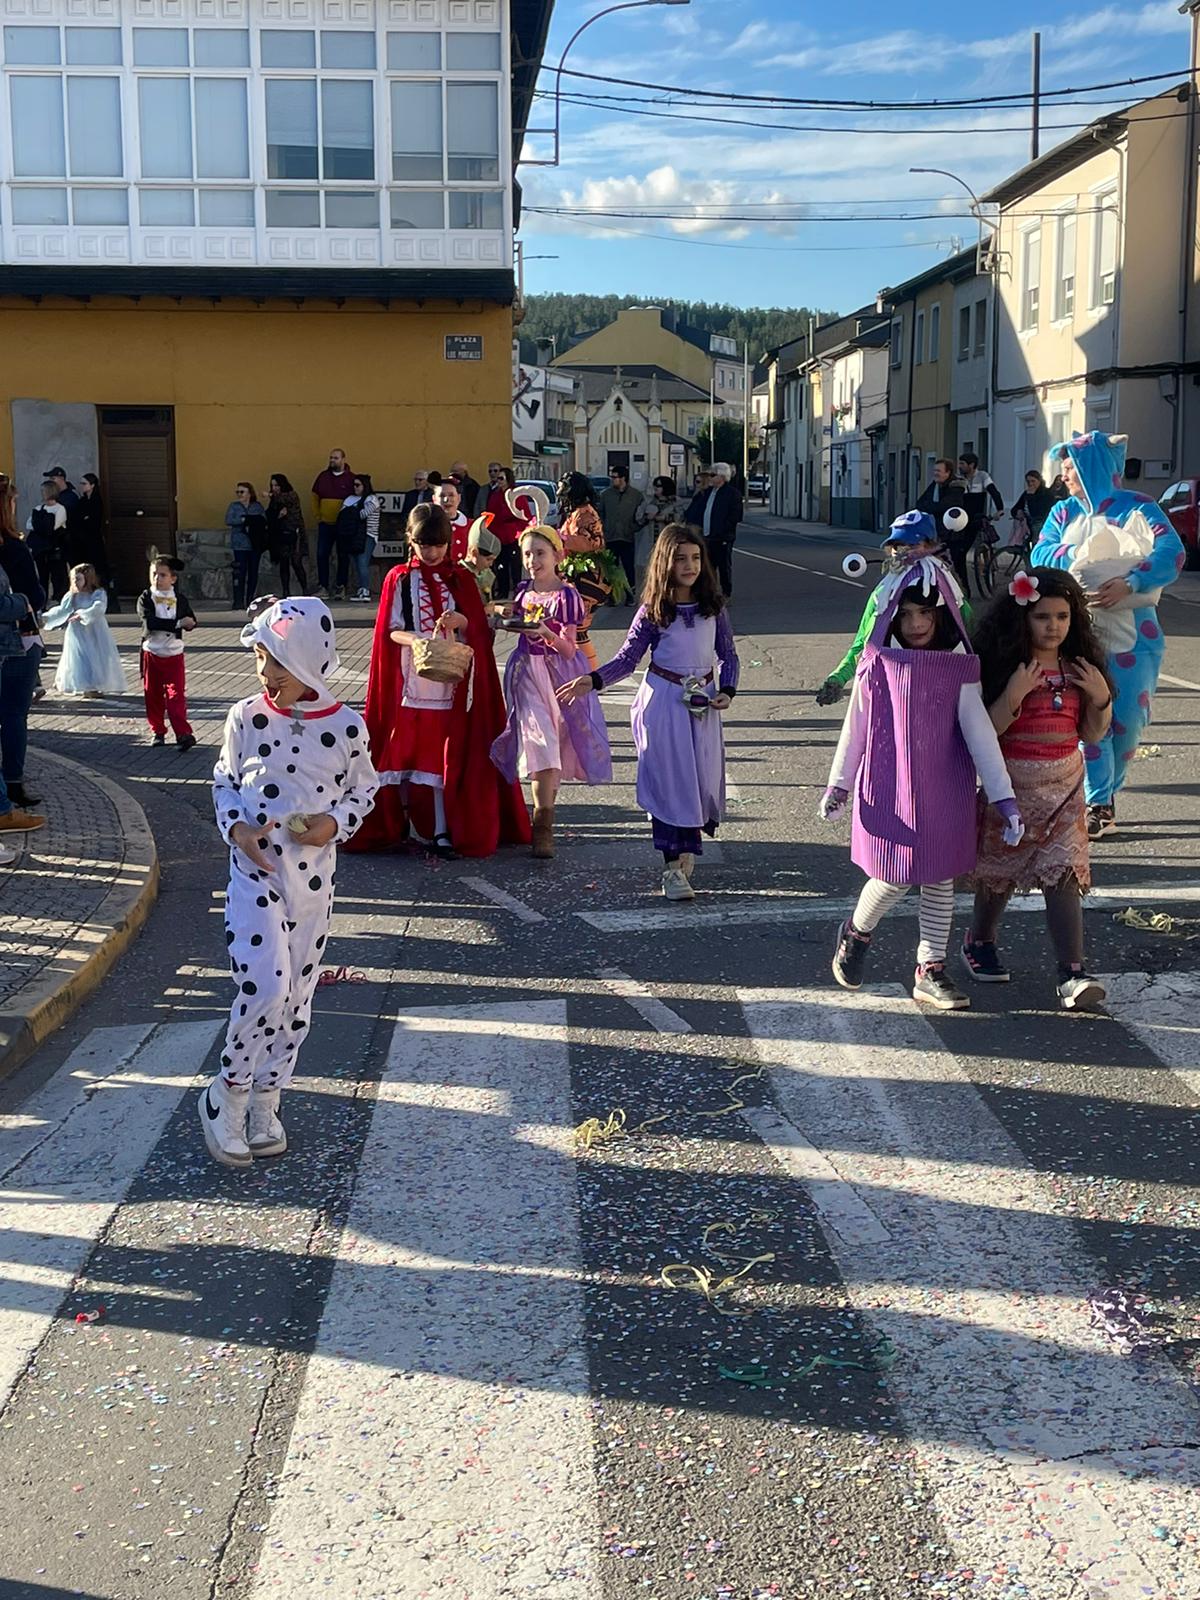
(976, 206)
(626, 5)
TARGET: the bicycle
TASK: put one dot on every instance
(983, 557)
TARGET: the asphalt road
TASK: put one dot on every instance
(814, 1324)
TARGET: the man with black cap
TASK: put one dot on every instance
(65, 491)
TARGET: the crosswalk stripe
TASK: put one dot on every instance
(710, 912)
(75, 1149)
(1023, 1419)
(442, 1440)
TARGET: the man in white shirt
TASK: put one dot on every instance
(46, 526)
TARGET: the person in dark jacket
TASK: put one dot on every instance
(46, 526)
(85, 535)
(468, 489)
(417, 495)
(946, 489)
(20, 654)
(1035, 504)
(287, 542)
(717, 511)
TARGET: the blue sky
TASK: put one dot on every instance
(862, 50)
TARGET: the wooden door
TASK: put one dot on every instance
(137, 480)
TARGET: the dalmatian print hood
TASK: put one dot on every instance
(300, 635)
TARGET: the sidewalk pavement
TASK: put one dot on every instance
(71, 902)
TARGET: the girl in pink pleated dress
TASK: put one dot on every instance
(546, 742)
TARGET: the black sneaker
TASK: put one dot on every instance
(982, 961)
(188, 742)
(158, 738)
(932, 987)
(1078, 990)
(850, 956)
(1101, 821)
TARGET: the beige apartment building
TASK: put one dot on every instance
(926, 345)
(1095, 297)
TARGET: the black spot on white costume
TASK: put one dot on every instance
(275, 937)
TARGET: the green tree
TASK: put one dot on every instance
(729, 442)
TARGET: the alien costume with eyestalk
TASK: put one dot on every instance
(1107, 531)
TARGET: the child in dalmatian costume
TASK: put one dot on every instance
(294, 779)
(1124, 551)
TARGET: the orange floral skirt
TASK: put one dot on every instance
(1049, 795)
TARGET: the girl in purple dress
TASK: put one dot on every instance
(683, 623)
(914, 738)
(544, 741)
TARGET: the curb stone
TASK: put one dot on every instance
(45, 1003)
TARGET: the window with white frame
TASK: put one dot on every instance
(196, 119)
(1105, 223)
(1031, 278)
(981, 318)
(964, 332)
(1064, 266)
(935, 333)
(897, 354)
(1059, 424)
(919, 340)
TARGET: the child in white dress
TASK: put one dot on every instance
(89, 665)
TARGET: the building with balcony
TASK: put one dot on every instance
(237, 233)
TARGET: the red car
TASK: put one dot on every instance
(1181, 502)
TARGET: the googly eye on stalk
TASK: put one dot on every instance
(955, 520)
(854, 565)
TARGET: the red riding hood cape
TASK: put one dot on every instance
(482, 810)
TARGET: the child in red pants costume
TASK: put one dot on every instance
(166, 617)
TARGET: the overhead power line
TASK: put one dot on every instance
(812, 103)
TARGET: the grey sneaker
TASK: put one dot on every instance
(675, 885)
(932, 987)
(267, 1135)
(1079, 991)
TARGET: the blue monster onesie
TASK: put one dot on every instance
(1105, 532)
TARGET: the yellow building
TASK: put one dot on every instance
(230, 249)
(643, 338)
(922, 357)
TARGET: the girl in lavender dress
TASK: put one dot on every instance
(683, 623)
(546, 742)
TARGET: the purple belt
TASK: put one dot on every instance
(678, 677)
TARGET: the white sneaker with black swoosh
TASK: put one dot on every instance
(223, 1118)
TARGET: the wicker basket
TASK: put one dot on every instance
(442, 660)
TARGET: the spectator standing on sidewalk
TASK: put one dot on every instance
(660, 507)
(362, 536)
(247, 524)
(46, 526)
(85, 535)
(329, 491)
(21, 651)
(417, 495)
(287, 541)
(468, 489)
(619, 505)
(717, 511)
(64, 490)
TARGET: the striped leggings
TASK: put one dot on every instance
(937, 912)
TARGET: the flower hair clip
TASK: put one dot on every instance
(1024, 588)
